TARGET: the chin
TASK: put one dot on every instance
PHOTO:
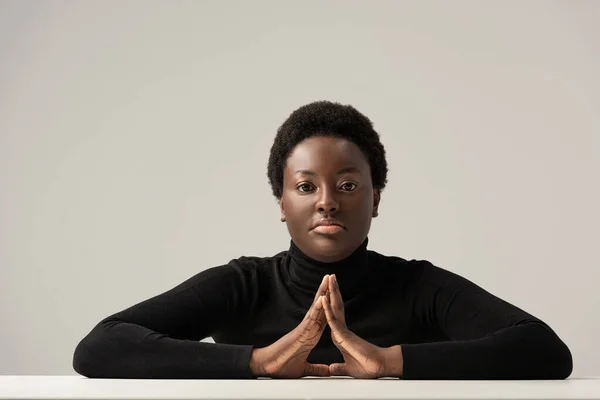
(330, 249)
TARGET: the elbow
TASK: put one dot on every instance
(562, 367)
(92, 354)
(87, 357)
(553, 359)
(81, 362)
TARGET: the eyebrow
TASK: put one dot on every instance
(340, 172)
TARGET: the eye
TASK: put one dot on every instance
(304, 187)
(348, 186)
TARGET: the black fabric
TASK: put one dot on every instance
(447, 326)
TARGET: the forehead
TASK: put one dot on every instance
(325, 154)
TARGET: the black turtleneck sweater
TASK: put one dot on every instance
(448, 327)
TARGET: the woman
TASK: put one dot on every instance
(327, 306)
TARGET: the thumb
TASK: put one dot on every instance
(315, 370)
(338, 369)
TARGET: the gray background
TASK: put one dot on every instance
(134, 138)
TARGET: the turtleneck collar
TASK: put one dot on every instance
(306, 273)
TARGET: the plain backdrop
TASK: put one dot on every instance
(134, 139)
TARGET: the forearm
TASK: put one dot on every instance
(527, 351)
(126, 350)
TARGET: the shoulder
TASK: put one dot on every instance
(256, 264)
(242, 270)
(250, 268)
(416, 272)
(258, 261)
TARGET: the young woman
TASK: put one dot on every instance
(327, 305)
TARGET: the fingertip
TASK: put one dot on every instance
(319, 303)
(323, 370)
(324, 283)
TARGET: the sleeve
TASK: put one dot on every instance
(159, 338)
(488, 338)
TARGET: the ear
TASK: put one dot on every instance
(282, 209)
(376, 200)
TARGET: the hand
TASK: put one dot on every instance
(286, 358)
(361, 358)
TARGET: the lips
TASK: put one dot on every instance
(328, 225)
(328, 229)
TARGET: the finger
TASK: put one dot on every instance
(316, 316)
(338, 369)
(322, 290)
(316, 370)
(332, 320)
(335, 297)
(315, 310)
(323, 287)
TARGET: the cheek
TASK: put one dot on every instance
(364, 207)
(300, 208)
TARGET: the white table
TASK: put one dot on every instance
(77, 387)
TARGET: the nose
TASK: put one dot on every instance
(327, 203)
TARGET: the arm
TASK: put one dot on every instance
(488, 337)
(159, 338)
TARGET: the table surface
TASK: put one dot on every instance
(78, 387)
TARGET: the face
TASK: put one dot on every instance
(327, 181)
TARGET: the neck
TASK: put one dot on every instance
(307, 273)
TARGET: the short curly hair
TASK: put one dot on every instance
(325, 118)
